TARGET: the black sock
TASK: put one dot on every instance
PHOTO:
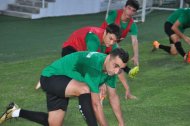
(38, 117)
(85, 107)
(165, 48)
(127, 69)
(180, 49)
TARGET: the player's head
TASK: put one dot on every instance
(130, 8)
(111, 35)
(133, 3)
(114, 29)
(123, 55)
(115, 61)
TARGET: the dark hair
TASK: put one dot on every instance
(133, 3)
(123, 55)
(114, 29)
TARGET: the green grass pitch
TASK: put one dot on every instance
(162, 85)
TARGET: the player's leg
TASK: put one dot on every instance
(76, 88)
(176, 40)
(57, 107)
(163, 47)
(38, 117)
(57, 103)
(13, 111)
(65, 87)
(169, 32)
(173, 50)
(56, 117)
(176, 47)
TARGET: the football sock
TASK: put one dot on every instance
(85, 108)
(127, 69)
(165, 48)
(16, 113)
(180, 49)
(38, 117)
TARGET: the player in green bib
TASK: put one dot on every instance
(124, 18)
(175, 26)
(79, 74)
(91, 39)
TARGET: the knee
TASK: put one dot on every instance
(54, 122)
(56, 118)
(174, 53)
(51, 122)
(84, 89)
(175, 38)
(173, 50)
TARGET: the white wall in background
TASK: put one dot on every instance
(4, 3)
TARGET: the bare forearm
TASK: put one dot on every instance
(135, 50)
(100, 116)
(98, 110)
(178, 32)
(135, 46)
(115, 103)
(123, 80)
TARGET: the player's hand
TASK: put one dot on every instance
(121, 124)
(129, 96)
(135, 60)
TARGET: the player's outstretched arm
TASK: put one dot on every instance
(98, 109)
(175, 28)
(135, 45)
(115, 104)
(123, 80)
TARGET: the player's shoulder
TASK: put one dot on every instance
(95, 55)
(112, 12)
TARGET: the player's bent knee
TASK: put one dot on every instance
(173, 52)
(54, 122)
(84, 89)
(56, 118)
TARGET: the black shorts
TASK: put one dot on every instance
(67, 50)
(168, 30)
(54, 87)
